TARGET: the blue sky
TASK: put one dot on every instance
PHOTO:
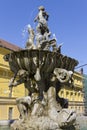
(68, 20)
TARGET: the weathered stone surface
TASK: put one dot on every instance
(43, 69)
(45, 115)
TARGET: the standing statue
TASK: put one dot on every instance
(42, 18)
(43, 34)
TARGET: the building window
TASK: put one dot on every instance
(71, 96)
(67, 94)
(10, 113)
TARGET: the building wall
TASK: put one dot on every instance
(6, 75)
(85, 93)
(7, 104)
(8, 108)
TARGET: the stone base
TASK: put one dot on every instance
(41, 123)
(44, 115)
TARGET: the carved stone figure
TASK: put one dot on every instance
(23, 105)
(63, 75)
(42, 18)
(43, 41)
(30, 40)
(64, 117)
(24, 77)
(43, 34)
(44, 115)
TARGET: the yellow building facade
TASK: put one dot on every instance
(8, 108)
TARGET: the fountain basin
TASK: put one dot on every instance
(32, 59)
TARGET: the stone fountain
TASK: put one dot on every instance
(43, 70)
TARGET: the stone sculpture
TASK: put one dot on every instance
(43, 71)
(42, 18)
(30, 41)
